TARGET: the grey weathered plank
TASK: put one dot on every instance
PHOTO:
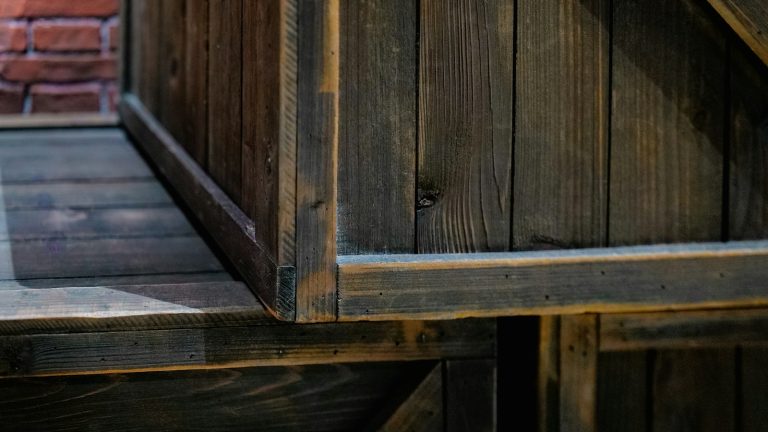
(379, 60)
(470, 395)
(227, 223)
(579, 342)
(22, 225)
(76, 157)
(422, 411)
(694, 390)
(465, 125)
(317, 159)
(121, 280)
(749, 18)
(146, 193)
(62, 258)
(651, 278)
(128, 307)
(694, 329)
(223, 347)
(561, 124)
(224, 90)
(316, 398)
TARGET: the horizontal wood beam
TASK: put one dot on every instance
(232, 229)
(691, 329)
(35, 121)
(622, 279)
(749, 19)
(237, 347)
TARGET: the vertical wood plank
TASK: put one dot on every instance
(149, 16)
(622, 391)
(124, 47)
(749, 203)
(668, 101)
(195, 71)
(578, 372)
(171, 69)
(667, 123)
(465, 125)
(317, 153)
(549, 375)
(694, 390)
(561, 147)
(224, 95)
(136, 54)
(377, 145)
(470, 395)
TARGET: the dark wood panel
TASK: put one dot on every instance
(377, 147)
(422, 411)
(560, 188)
(227, 224)
(147, 17)
(317, 159)
(548, 380)
(465, 125)
(61, 258)
(621, 390)
(693, 390)
(667, 123)
(470, 395)
(754, 381)
(225, 95)
(749, 18)
(579, 342)
(172, 45)
(222, 347)
(94, 195)
(651, 278)
(316, 398)
(194, 71)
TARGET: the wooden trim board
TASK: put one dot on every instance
(226, 222)
(34, 121)
(749, 19)
(621, 279)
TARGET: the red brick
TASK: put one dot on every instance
(79, 35)
(51, 98)
(42, 68)
(114, 35)
(58, 8)
(11, 98)
(13, 37)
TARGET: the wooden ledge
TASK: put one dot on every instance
(624, 279)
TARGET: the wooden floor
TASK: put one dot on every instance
(87, 231)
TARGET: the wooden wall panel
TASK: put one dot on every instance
(377, 144)
(666, 177)
(224, 89)
(470, 395)
(194, 69)
(147, 15)
(465, 125)
(171, 79)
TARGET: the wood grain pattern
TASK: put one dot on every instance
(225, 82)
(621, 390)
(315, 398)
(667, 129)
(693, 329)
(749, 18)
(317, 159)
(422, 411)
(225, 347)
(228, 225)
(548, 379)
(470, 395)
(561, 124)
(465, 125)
(579, 342)
(653, 278)
(694, 390)
(141, 193)
(754, 381)
(172, 45)
(379, 60)
(148, 18)
(194, 70)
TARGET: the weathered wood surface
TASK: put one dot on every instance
(749, 19)
(226, 347)
(379, 60)
(622, 390)
(194, 70)
(470, 395)
(672, 277)
(753, 384)
(314, 398)
(226, 222)
(422, 411)
(696, 329)
(579, 342)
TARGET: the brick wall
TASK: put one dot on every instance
(58, 56)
